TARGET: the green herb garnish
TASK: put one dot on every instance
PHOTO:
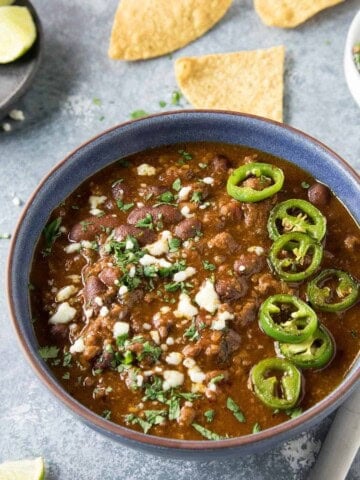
(48, 352)
(256, 428)
(208, 266)
(209, 415)
(51, 232)
(205, 432)
(176, 97)
(174, 244)
(177, 185)
(124, 207)
(138, 114)
(146, 222)
(106, 414)
(235, 409)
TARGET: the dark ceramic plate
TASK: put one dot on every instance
(16, 77)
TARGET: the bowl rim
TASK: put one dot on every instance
(108, 427)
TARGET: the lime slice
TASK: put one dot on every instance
(6, 2)
(23, 470)
(17, 32)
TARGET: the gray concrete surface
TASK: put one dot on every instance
(60, 114)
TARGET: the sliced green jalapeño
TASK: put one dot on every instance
(315, 352)
(295, 256)
(258, 170)
(276, 382)
(286, 318)
(333, 291)
(296, 215)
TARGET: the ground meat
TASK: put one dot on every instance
(188, 228)
(93, 287)
(224, 241)
(256, 215)
(230, 289)
(256, 183)
(266, 283)
(220, 164)
(109, 275)
(134, 297)
(232, 211)
(104, 361)
(229, 344)
(202, 189)
(247, 313)
(319, 194)
(167, 214)
(172, 173)
(249, 263)
(92, 226)
(143, 236)
(187, 415)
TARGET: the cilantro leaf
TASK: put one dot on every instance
(48, 352)
(51, 232)
(235, 409)
(205, 432)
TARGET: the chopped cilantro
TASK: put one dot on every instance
(177, 185)
(155, 417)
(256, 428)
(121, 339)
(235, 409)
(192, 333)
(166, 198)
(106, 414)
(174, 408)
(96, 101)
(138, 114)
(162, 103)
(67, 359)
(293, 412)
(209, 415)
(51, 232)
(185, 155)
(176, 97)
(5, 236)
(174, 244)
(135, 420)
(84, 225)
(151, 351)
(196, 197)
(205, 432)
(305, 185)
(217, 379)
(124, 207)
(154, 391)
(208, 266)
(66, 376)
(48, 352)
(146, 222)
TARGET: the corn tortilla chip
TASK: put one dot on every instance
(290, 13)
(248, 82)
(149, 28)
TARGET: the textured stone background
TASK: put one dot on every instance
(60, 114)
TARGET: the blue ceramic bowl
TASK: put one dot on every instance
(127, 139)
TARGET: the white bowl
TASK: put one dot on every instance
(352, 75)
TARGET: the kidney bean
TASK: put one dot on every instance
(108, 275)
(143, 236)
(91, 226)
(319, 194)
(188, 228)
(167, 214)
(93, 287)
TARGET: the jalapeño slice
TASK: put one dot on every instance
(315, 352)
(286, 318)
(276, 382)
(333, 291)
(295, 256)
(259, 170)
(296, 215)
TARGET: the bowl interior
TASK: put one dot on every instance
(165, 129)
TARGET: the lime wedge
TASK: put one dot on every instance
(17, 32)
(23, 470)
(6, 2)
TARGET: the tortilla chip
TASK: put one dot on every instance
(248, 82)
(290, 13)
(149, 28)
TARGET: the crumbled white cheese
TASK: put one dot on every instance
(185, 211)
(74, 278)
(78, 346)
(189, 362)
(184, 274)
(164, 347)
(146, 170)
(129, 244)
(96, 212)
(146, 326)
(104, 311)
(87, 244)
(123, 290)
(17, 201)
(89, 313)
(165, 309)
(154, 334)
(17, 115)
(147, 260)
(161, 246)
(139, 380)
(6, 127)
(173, 379)
(72, 248)
(196, 375)
(120, 328)
(220, 322)
(212, 386)
(184, 193)
(257, 250)
(96, 200)
(65, 293)
(174, 358)
(207, 298)
(64, 314)
(185, 307)
(164, 263)
(208, 180)
(98, 301)
(170, 341)
(132, 272)
(140, 204)
(242, 268)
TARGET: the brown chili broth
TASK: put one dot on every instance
(255, 345)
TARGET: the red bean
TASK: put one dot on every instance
(319, 194)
